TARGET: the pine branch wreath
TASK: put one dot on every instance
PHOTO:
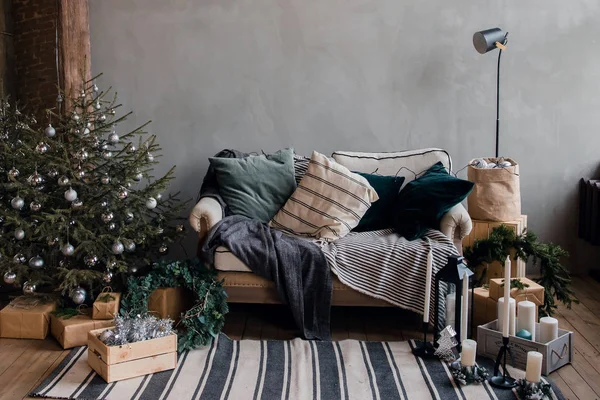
(204, 320)
(555, 277)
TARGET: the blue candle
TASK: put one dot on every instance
(524, 334)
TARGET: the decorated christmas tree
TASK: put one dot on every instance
(80, 206)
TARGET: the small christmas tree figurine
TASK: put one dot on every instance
(80, 205)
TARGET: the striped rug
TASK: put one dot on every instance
(297, 369)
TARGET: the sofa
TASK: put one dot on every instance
(243, 286)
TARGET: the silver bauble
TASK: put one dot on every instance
(42, 148)
(163, 249)
(63, 181)
(86, 131)
(98, 105)
(149, 157)
(131, 148)
(107, 217)
(50, 131)
(35, 206)
(29, 288)
(158, 196)
(151, 203)
(19, 234)
(112, 111)
(105, 180)
(107, 277)
(130, 246)
(76, 203)
(104, 146)
(17, 203)
(90, 260)
(106, 154)
(112, 226)
(68, 249)
(13, 172)
(82, 155)
(138, 177)
(102, 118)
(10, 277)
(111, 264)
(52, 241)
(123, 193)
(75, 116)
(159, 230)
(95, 88)
(133, 269)
(64, 263)
(129, 217)
(19, 258)
(35, 179)
(52, 173)
(70, 194)
(104, 203)
(72, 222)
(36, 262)
(80, 173)
(118, 248)
(78, 295)
(106, 335)
(113, 138)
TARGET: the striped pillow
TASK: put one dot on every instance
(328, 202)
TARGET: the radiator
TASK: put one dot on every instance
(589, 210)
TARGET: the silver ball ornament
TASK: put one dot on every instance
(138, 177)
(163, 249)
(118, 248)
(113, 138)
(111, 226)
(104, 203)
(105, 180)
(70, 195)
(129, 217)
(102, 118)
(17, 203)
(35, 179)
(42, 148)
(10, 277)
(19, 234)
(13, 172)
(90, 260)
(35, 206)
(107, 217)
(106, 335)
(36, 262)
(68, 249)
(106, 154)
(29, 288)
(50, 131)
(63, 181)
(19, 258)
(123, 194)
(76, 203)
(53, 173)
(151, 203)
(130, 246)
(75, 116)
(107, 277)
(149, 157)
(78, 295)
(52, 241)
(504, 164)
(490, 165)
(98, 105)
(131, 148)
(86, 131)
(479, 163)
(82, 155)
(80, 173)
(158, 196)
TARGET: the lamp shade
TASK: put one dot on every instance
(485, 41)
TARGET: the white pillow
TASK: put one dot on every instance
(328, 202)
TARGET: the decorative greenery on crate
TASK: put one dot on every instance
(204, 320)
(554, 275)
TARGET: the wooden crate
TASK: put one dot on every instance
(115, 363)
(557, 353)
(482, 230)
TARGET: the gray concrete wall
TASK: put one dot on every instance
(366, 75)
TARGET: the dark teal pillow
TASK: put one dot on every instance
(378, 216)
(256, 186)
(423, 202)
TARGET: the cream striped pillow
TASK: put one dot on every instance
(328, 202)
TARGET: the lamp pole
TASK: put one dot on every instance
(498, 104)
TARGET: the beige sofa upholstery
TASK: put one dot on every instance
(243, 286)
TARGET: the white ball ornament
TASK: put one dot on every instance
(17, 203)
(50, 132)
(53, 173)
(13, 172)
(118, 248)
(19, 234)
(42, 148)
(35, 206)
(19, 258)
(479, 163)
(102, 118)
(10, 277)
(105, 180)
(63, 181)
(113, 138)
(504, 164)
(149, 157)
(106, 154)
(75, 116)
(76, 203)
(70, 195)
(36, 262)
(68, 249)
(78, 295)
(123, 194)
(29, 288)
(490, 165)
(151, 203)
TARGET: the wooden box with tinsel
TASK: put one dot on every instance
(137, 346)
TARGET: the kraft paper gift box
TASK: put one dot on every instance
(73, 331)
(533, 293)
(106, 305)
(170, 302)
(25, 321)
(481, 315)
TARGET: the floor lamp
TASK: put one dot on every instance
(485, 41)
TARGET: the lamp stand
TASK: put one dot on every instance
(498, 104)
(424, 349)
(504, 380)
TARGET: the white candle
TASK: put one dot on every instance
(464, 309)
(511, 315)
(451, 309)
(526, 317)
(533, 372)
(428, 286)
(548, 329)
(505, 326)
(469, 350)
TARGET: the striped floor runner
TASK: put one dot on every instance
(297, 369)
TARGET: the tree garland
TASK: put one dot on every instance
(204, 320)
(555, 277)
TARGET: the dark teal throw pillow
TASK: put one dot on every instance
(379, 215)
(423, 202)
(256, 186)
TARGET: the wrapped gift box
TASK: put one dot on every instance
(73, 332)
(170, 302)
(22, 321)
(481, 315)
(534, 292)
(106, 305)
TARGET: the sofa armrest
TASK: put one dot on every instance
(456, 223)
(205, 214)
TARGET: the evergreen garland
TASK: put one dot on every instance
(204, 320)
(554, 277)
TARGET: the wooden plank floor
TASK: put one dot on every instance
(24, 363)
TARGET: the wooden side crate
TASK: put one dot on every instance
(482, 230)
(115, 363)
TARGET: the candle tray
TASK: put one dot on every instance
(556, 353)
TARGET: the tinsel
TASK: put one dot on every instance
(136, 329)
(533, 391)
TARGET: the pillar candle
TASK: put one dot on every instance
(428, 286)
(505, 326)
(464, 309)
(533, 372)
(548, 329)
(526, 317)
(469, 350)
(511, 315)
(451, 309)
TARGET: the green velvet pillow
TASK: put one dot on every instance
(379, 215)
(256, 186)
(423, 202)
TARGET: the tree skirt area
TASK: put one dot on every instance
(269, 369)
